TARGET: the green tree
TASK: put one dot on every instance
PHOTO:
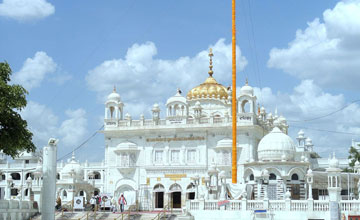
(14, 134)
(354, 155)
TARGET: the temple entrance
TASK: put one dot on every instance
(159, 200)
(159, 191)
(175, 190)
(176, 200)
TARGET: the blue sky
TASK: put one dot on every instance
(68, 54)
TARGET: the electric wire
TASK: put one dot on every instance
(82, 144)
(327, 115)
(324, 130)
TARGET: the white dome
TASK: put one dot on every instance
(114, 96)
(247, 90)
(72, 168)
(276, 144)
(176, 98)
(308, 141)
(334, 163)
(282, 119)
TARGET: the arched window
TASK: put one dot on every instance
(58, 176)
(294, 177)
(29, 174)
(15, 176)
(251, 177)
(170, 110)
(64, 194)
(97, 175)
(272, 176)
(14, 192)
(3, 177)
(112, 111)
(245, 106)
(81, 193)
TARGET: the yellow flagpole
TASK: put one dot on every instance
(234, 153)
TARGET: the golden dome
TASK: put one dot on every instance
(210, 88)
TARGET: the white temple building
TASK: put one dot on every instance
(185, 158)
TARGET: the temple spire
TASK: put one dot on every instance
(211, 66)
(114, 90)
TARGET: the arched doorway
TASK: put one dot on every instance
(190, 191)
(128, 192)
(175, 191)
(159, 191)
(295, 187)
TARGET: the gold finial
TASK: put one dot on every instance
(246, 82)
(114, 90)
(211, 66)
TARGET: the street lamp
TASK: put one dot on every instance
(8, 188)
(222, 177)
(265, 176)
(72, 174)
(29, 184)
(196, 179)
(207, 184)
(92, 177)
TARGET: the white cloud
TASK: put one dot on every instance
(142, 78)
(328, 51)
(44, 124)
(26, 10)
(34, 70)
(73, 130)
(308, 101)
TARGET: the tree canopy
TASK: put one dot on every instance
(14, 134)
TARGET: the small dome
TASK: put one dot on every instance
(247, 90)
(334, 163)
(176, 98)
(222, 174)
(308, 142)
(301, 133)
(309, 172)
(114, 96)
(72, 168)
(212, 169)
(282, 119)
(276, 144)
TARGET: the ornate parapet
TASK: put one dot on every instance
(16, 209)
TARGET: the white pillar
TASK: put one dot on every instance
(49, 180)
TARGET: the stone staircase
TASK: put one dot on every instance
(109, 216)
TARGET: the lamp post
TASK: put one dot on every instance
(28, 184)
(196, 181)
(72, 174)
(222, 176)
(9, 182)
(310, 180)
(265, 181)
(207, 184)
